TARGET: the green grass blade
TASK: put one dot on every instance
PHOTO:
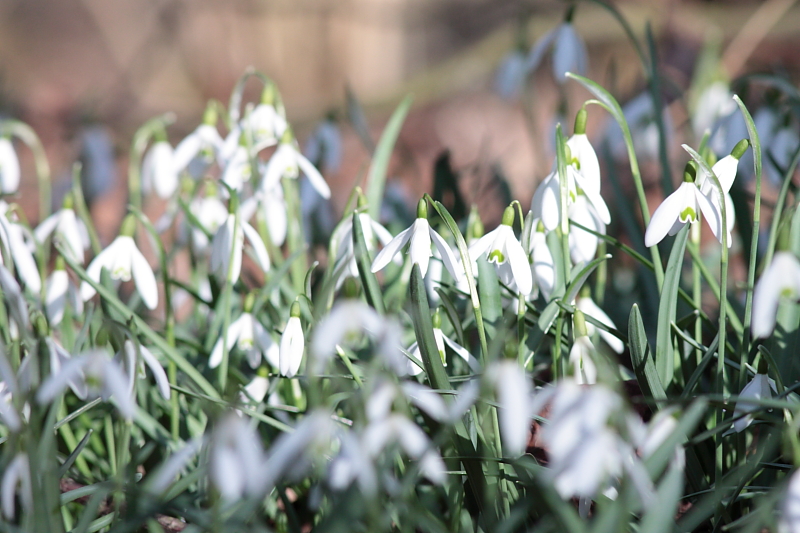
(376, 179)
(372, 289)
(668, 306)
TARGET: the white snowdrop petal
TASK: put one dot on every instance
(144, 279)
(385, 256)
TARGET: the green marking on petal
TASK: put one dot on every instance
(496, 256)
(688, 214)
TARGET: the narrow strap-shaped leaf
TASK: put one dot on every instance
(643, 366)
(372, 289)
(667, 307)
(491, 301)
(68, 462)
(376, 179)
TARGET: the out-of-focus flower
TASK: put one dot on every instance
(292, 344)
(67, 228)
(159, 172)
(236, 459)
(9, 167)
(511, 74)
(12, 293)
(502, 248)
(99, 374)
(58, 290)
(582, 353)
(589, 308)
(123, 260)
(542, 264)
(211, 213)
(136, 356)
(789, 521)
(418, 237)
(228, 243)
(780, 281)
(288, 162)
(273, 207)
(12, 236)
(760, 387)
(267, 122)
(197, 151)
(725, 171)
(251, 337)
(343, 237)
(17, 473)
(512, 388)
(324, 146)
(441, 340)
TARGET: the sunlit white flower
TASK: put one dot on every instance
(58, 290)
(583, 155)
(252, 338)
(582, 244)
(258, 387)
(419, 237)
(324, 146)
(135, 358)
(99, 374)
(272, 205)
(502, 248)
(67, 228)
(123, 260)
(546, 201)
(780, 281)
(159, 172)
(13, 238)
(725, 171)
(349, 323)
(288, 162)
(9, 167)
(343, 235)
(292, 344)
(266, 124)
(442, 340)
(759, 388)
(236, 458)
(511, 385)
(679, 208)
(227, 246)
(17, 473)
(587, 306)
(197, 150)
(211, 213)
(581, 360)
(543, 269)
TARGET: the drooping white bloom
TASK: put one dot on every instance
(12, 293)
(266, 124)
(273, 207)
(13, 238)
(581, 359)
(135, 367)
(789, 521)
(543, 269)
(780, 281)
(211, 213)
(197, 150)
(546, 201)
(679, 208)
(287, 161)
(511, 74)
(68, 229)
(160, 479)
(228, 243)
(587, 306)
(725, 171)
(348, 324)
(18, 473)
(582, 244)
(252, 338)
(257, 389)
(760, 387)
(502, 248)
(159, 172)
(58, 290)
(569, 53)
(345, 250)
(512, 388)
(101, 377)
(237, 168)
(419, 237)
(9, 167)
(236, 459)
(441, 340)
(292, 344)
(123, 260)
(713, 105)
(583, 155)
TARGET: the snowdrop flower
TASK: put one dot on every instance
(681, 207)
(67, 228)
(587, 306)
(123, 260)
(237, 168)
(198, 149)
(17, 473)
(292, 344)
(760, 387)
(236, 459)
(228, 243)
(162, 477)
(583, 156)
(159, 172)
(324, 146)
(543, 269)
(511, 74)
(783, 146)
(251, 337)
(789, 521)
(13, 238)
(348, 323)
(725, 171)
(58, 290)
(419, 237)
(569, 51)
(780, 281)
(512, 388)
(12, 293)
(343, 239)
(502, 248)
(258, 387)
(582, 353)
(136, 356)
(273, 207)
(8, 414)
(267, 122)
(641, 119)
(288, 162)
(714, 105)
(441, 341)
(582, 244)
(9, 167)
(98, 374)
(211, 213)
